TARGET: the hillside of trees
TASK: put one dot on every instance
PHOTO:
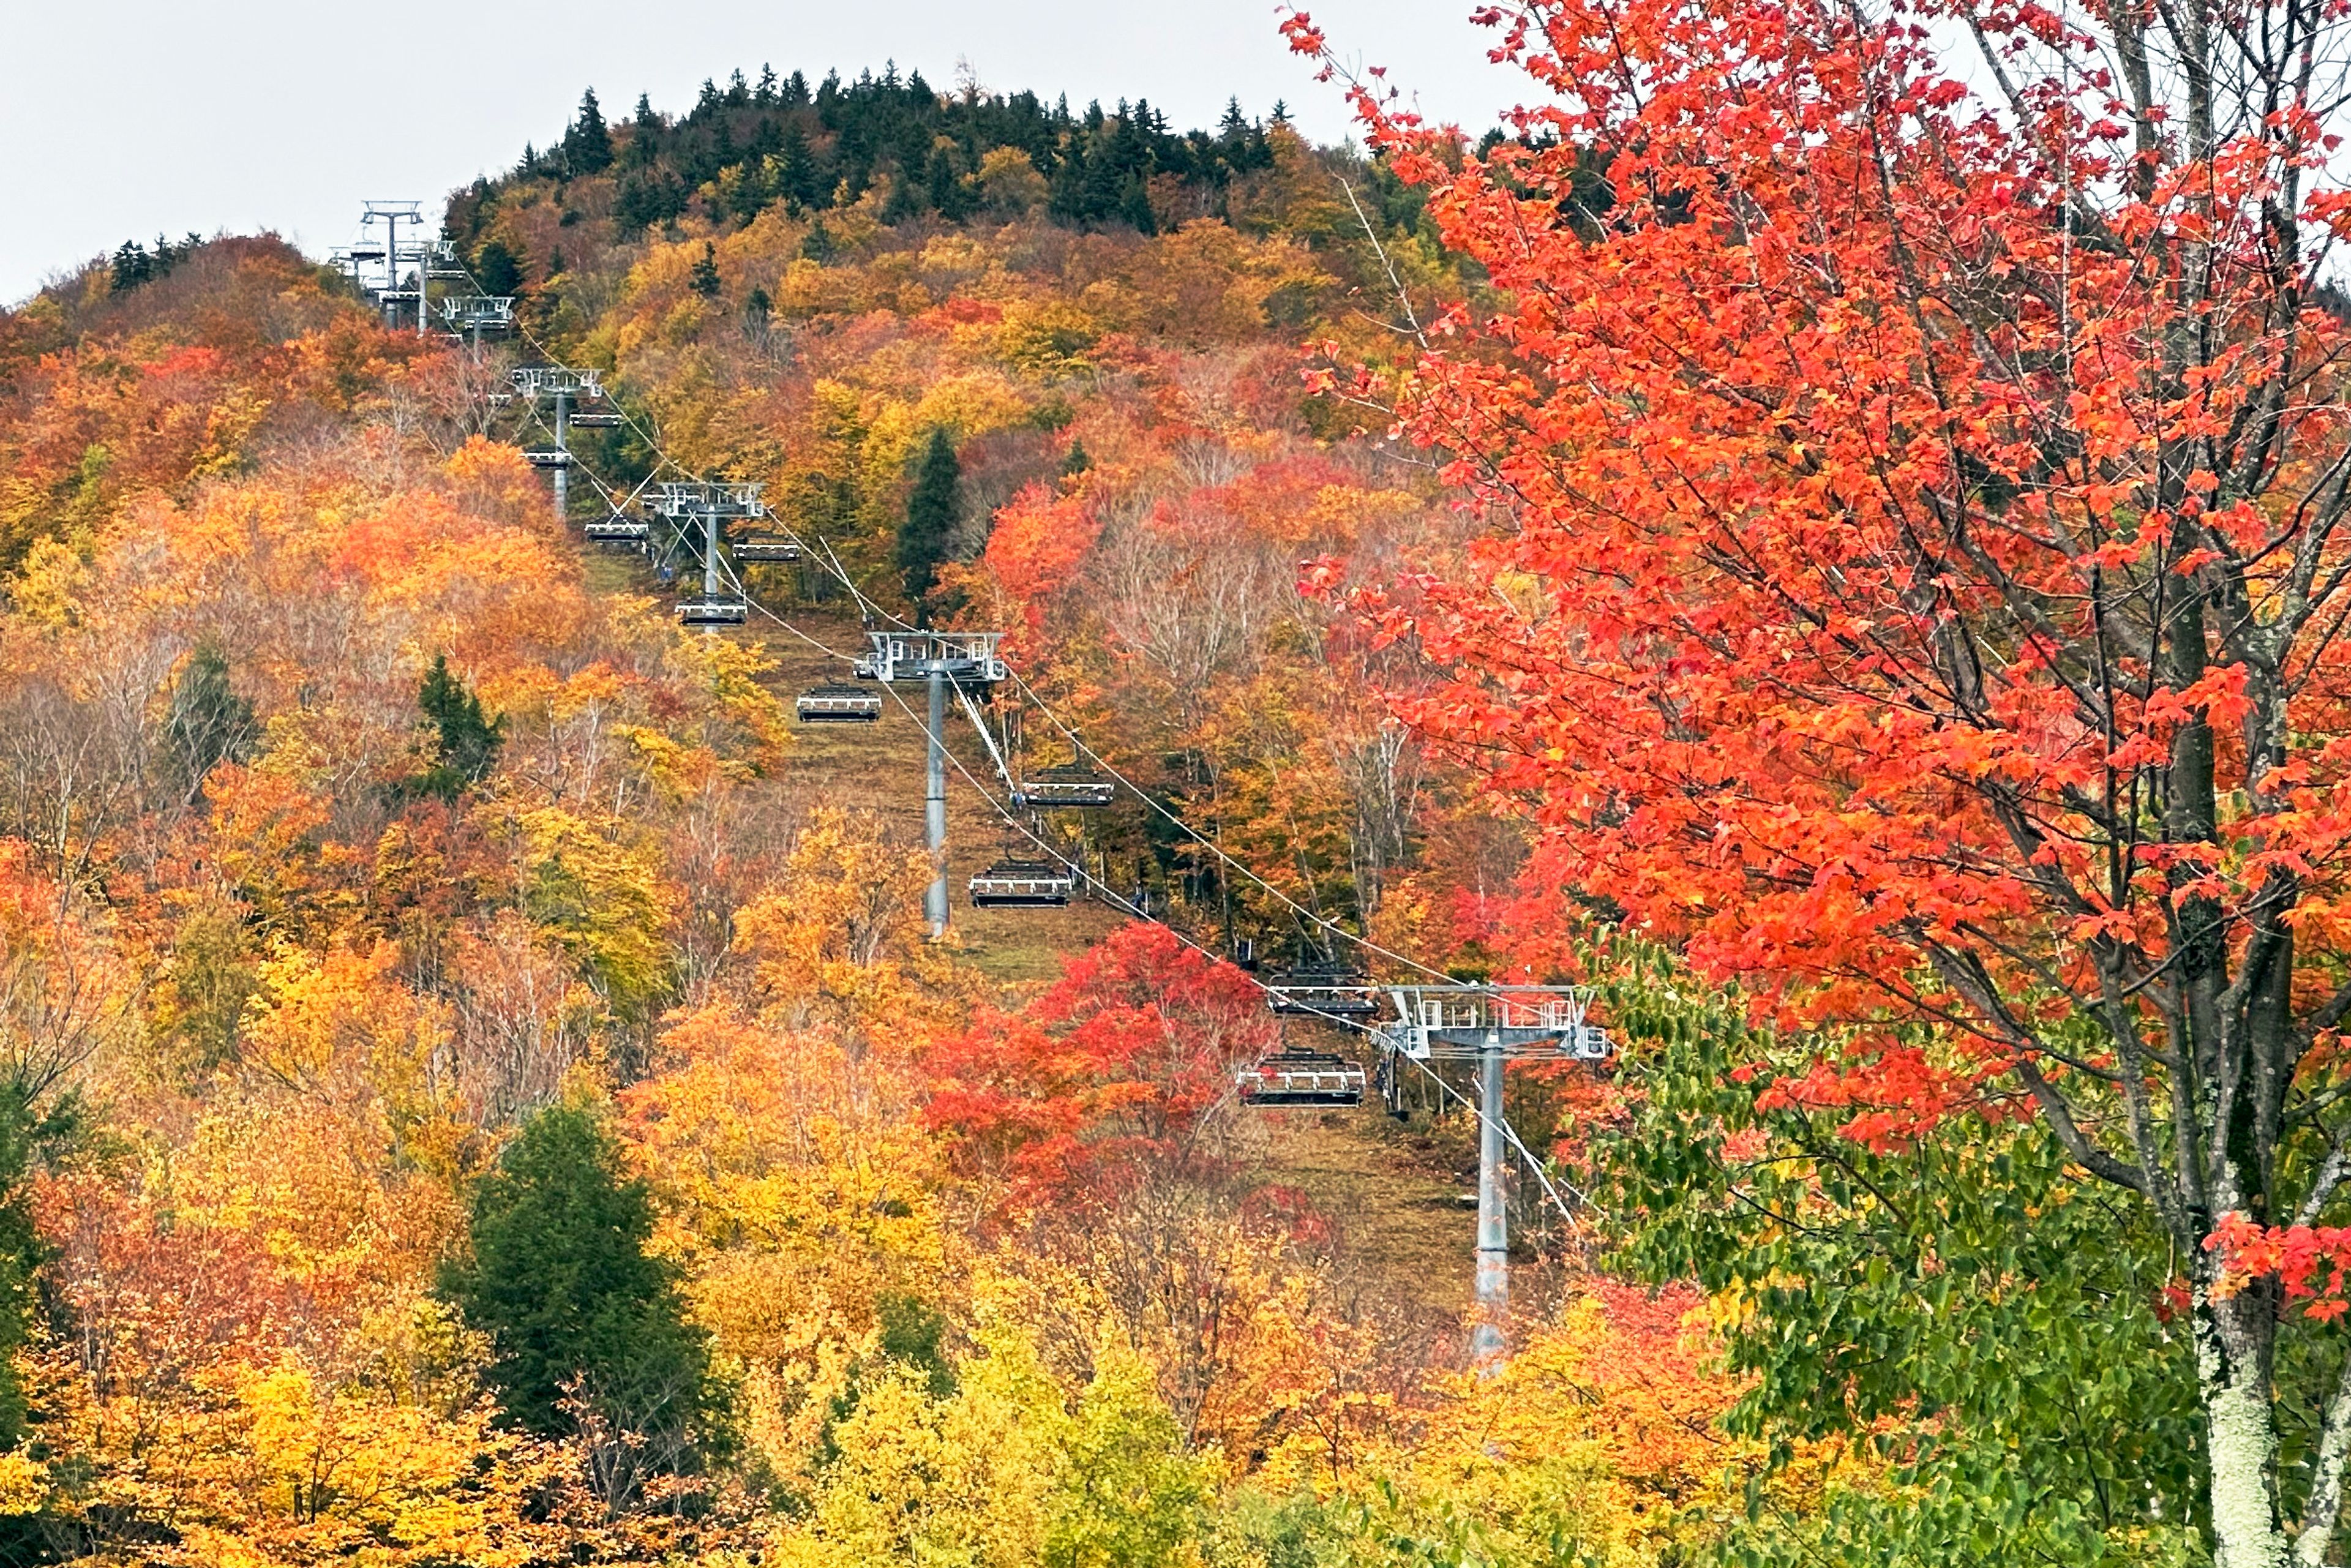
(476, 1086)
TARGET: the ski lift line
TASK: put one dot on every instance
(869, 610)
(1013, 821)
(1508, 1132)
(866, 607)
(643, 435)
(1196, 837)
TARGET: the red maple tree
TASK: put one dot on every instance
(1921, 593)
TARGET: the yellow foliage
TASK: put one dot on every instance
(1046, 337)
(842, 939)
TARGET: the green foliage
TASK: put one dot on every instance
(133, 265)
(28, 1133)
(209, 723)
(583, 1322)
(603, 901)
(933, 508)
(1128, 1495)
(587, 145)
(466, 743)
(914, 1334)
(705, 280)
(1076, 462)
(497, 270)
(2002, 1322)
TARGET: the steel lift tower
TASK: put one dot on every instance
(391, 215)
(1467, 1023)
(964, 662)
(1490, 1025)
(689, 503)
(565, 388)
(471, 315)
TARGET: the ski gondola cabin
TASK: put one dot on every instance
(1299, 1078)
(1022, 884)
(595, 419)
(711, 612)
(836, 702)
(548, 457)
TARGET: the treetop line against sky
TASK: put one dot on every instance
(267, 114)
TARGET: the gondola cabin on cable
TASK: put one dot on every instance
(711, 610)
(548, 457)
(1299, 1078)
(594, 419)
(1321, 993)
(837, 702)
(1022, 884)
(765, 548)
(1070, 787)
(618, 529)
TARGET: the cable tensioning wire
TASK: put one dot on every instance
(1194, 834)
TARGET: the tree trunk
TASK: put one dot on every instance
(2240, 1434)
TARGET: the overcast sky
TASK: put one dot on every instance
(135, 117)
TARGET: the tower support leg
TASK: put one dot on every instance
(1487, 1344)
(935, 807)
(562, 469)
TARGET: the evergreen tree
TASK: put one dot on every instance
(796, 173)
(818, 246)
(645, 133)
(577, 1311)
(705, 280)
(646, 201)
(587, 145)
(28, 1133)
(1077, 461)
(132, 266)
(947, 192)
(764, 94)
(905, 203)
(932, 510)
(497, 270)
(1135, 206)
(209, 723)
(465, 744)
(757, 308)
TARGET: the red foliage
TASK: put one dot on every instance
(1109, 1068)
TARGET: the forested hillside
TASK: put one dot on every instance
(476, 1086)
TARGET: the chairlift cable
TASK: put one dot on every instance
(1111, 896)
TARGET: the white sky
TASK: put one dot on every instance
(125, 119)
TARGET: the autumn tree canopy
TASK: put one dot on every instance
(1921, 575)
